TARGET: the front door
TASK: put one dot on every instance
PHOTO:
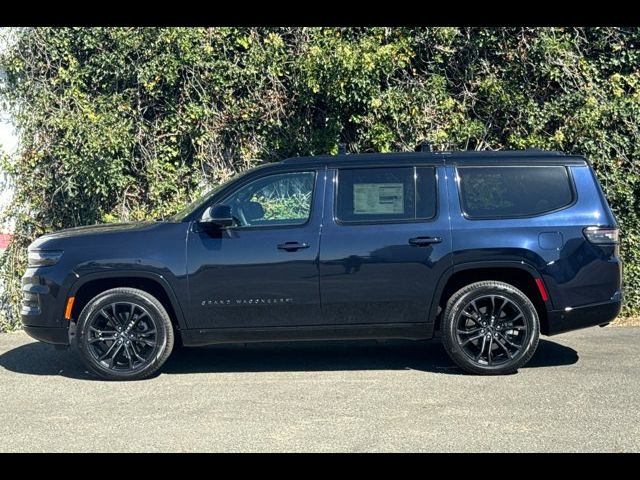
(385, 243)
(263, 271)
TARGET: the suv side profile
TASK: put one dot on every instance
(490, 249)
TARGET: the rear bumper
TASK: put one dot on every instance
(54, 335)
(561, 321)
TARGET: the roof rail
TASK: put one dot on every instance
(540, 150)
(461, 155)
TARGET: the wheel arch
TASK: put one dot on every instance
(519, 274)
(88, 286)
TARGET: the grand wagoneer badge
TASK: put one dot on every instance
(245, 301)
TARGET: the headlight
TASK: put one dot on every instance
(43, 258)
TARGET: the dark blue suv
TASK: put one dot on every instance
(489, 249)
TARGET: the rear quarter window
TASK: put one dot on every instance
(508, 192)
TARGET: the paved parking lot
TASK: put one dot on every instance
(581, 392)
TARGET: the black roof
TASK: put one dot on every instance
(537, 157)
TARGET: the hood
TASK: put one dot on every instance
(106, 229)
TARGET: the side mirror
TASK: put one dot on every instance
(219, 215)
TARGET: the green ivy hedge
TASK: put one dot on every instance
(132, 123)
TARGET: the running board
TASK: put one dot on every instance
(410, 331)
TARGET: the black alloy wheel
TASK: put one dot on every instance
(124, 334)
(490, 327)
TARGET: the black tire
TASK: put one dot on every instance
(141, 329)
(480, 330)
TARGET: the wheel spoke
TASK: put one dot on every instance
(128, 355)
(506, 350)
(509, 342)
(471, 339)
(484, 342)
(109, 350)
(115, 354)
(112, 318)
(149, 343)
(489, 353)
(138, 318)
(469, 332)
(475, 308)
(115, 315)
(97, 330)
(499, 311)
(101, 339)
(135, 352)
(473, 318)
(520, 328)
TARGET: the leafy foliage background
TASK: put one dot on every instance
(129, 123)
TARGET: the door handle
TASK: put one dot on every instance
(424, 241)
(292, 246)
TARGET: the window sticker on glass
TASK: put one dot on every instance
(377, 198)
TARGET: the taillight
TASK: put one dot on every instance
(601, 235)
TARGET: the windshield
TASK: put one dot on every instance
(204, 199)
(193, 206)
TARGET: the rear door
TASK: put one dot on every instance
(385, 243)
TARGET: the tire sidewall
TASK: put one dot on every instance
(451, 319)
(154, 308)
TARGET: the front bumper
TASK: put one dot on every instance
(42, 303)
(560, 321)
(54, 335)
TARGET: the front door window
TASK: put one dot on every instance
(276, 200)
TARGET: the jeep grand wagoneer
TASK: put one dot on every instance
(490, 249)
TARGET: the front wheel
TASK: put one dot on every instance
(124, 334)
(490, 327)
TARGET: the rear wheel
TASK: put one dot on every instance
(124, 334)
(490, 327)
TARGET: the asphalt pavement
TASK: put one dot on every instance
(581, 392)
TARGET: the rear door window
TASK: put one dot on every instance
(392, 194)
(508, 192)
